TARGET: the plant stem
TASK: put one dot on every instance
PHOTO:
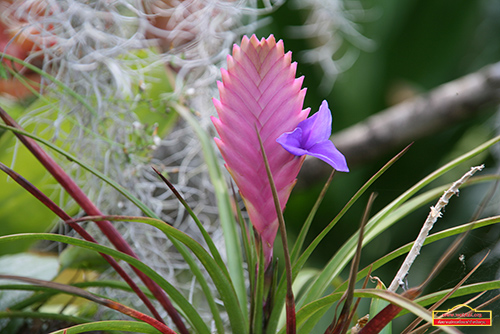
(290, 302)
(81, 231)
(99, 300)
(91, 209)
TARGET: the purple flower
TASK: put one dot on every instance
(312, 137)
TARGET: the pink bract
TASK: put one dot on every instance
(259, 92)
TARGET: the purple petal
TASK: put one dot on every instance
(312, 137)
(291, 141)
(317, 128)
(327, 152)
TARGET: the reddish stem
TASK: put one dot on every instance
(105, 226)
(73, 290)
(381, 319)
(81, 231)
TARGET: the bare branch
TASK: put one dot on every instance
(413, 119)
(433, 216)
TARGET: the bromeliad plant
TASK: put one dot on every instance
(262, 101)
(264, 136)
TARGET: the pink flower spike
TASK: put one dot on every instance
(259, 91)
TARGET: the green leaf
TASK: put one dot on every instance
(406, 304)
(81, 258)
(3, 72)
(29, 265)
(377, 225)
(215, 253)
(23, 81)
(417, 202)
(464, 290)
(280, 296)
(311, 312)
(299, 242)
(91, 169)
(110, 325)
(42, 315)
(181, 248)
(378, 305)
(211, 246)
(324, 303)
(189, 311)
(221, 281)
(45, 293)
(258, 296)
(15, 199)
(219, 277)
(226, 215)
